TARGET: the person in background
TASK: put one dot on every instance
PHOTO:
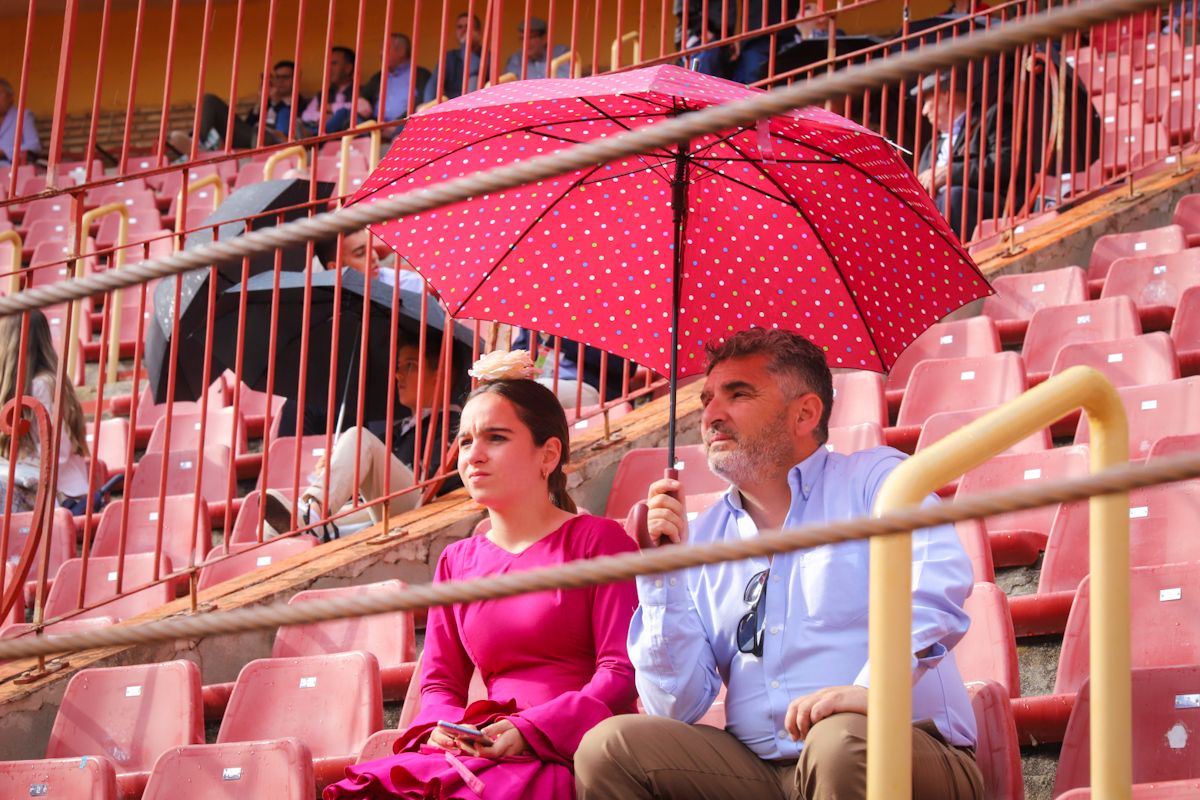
(339, 97)
(554, 663)
(278, 120)
(41, 383)
(537, 64)
(8, 126)
(745, 60)
(812, 28)
(459, 61)
(401, 74)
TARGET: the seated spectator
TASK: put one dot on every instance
(701, 29)
(745, 61)
(813, 28)
(359, 254)
(366, 446)
(954, 168)
(400, 75)
(277, 123)
(570, 378)
(41, 383)
(8, 126)
(536, 65)
(469, 32)
(338, 99)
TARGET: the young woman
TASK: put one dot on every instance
(41, 383)
(554, 662)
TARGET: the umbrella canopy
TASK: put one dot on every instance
(805, 221)
(260, 297)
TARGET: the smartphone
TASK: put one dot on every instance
(467, 732)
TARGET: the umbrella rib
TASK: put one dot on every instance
(739, 182)
(832, 260)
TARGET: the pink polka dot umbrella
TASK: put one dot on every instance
(806, 221)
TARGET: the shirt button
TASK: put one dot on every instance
(658, 583)
(774, 630)
(782, 734)
(774, 684)
(672, 581)
(774, 579)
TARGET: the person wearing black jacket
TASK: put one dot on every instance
(401, 73)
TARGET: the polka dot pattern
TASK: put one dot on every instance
(810, 223)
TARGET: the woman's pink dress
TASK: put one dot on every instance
(559, 656)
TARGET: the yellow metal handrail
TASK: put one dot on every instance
(114, 320)
(555, 63)
(214, 180)
(376, 142)
(288, 152)
(889, 711)
(615, 50)
(14, 240)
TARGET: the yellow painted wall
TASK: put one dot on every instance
(189, 26)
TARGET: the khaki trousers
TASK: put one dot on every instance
(639, 756)
(373, 456)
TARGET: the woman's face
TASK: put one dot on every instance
(498, 461)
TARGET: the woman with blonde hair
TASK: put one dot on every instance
(554, 662)
(41, 383)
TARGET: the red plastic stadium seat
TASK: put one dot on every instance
(277, 768)
(1053, 328)
(1154, 283)
(639, 468)
(1187, 210)
(1017, 538)
(858, 397)
(61, 541)
(149, 412)
(113, 445)
(144, 224)
(1161, 790)
(974, 336)
(129, 715)
(988, 651)
(1164, 745)
(1185, 444)
(279, 465)
(942, 424)
(57, 209)
(1164, 409)
(956, 384)
(255, 408)
(853, 438)
(391, 638)
(249, 557)
(331, 703)
(996, 750)
(181, 470)
(1153, 242)
(225, 427)
(88, 778)
(973, 537)
(245, 525)
(58, 628)
(591, 417)
(1185, 331)
(142, 520)
(1164, 606)
(1149, 358)
(102, 586)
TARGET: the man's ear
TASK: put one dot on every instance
(805, 414)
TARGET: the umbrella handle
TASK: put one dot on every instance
(637, 523)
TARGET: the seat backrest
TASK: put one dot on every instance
(996, 749)
(277, 768)
(60, 538)
(245, 526)
(281, 457)
(181, 467)
(129, 714)
(1156, 241)
(1021, 469)
(988, 651)
(102, 573)
(942, 424)
(1187, 213)
(249, 557)
(973, 336)
(331, 703)
(1154, 411)
(1184, 444)
(1161, 531)
(391, 638)
(1149, 358)
(143, 522)
(974, 540)
(639, 468)
(224, 425)
(1051, 329)
(1164, 604)
(852, 438)
(1185, 327)
(1164, 745)
(957, 384)
(1019, 296)
(52, 208)
(59, 779)
(1153, 280)
(57, 628)
(858, 397)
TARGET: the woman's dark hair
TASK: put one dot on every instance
(539, 410)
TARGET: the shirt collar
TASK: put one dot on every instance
(801, 479)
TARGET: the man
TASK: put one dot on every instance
(745, 61)
(400, 74)
(214, 117)
(8, 126)
(536, 66)
(462, 60)
(807, 28)
(787, 635)
(957, 169)
(339, 99)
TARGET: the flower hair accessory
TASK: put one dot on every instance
(504, 365)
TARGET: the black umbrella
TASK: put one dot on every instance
(260, 296)
(194, 288)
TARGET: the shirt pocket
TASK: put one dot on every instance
(835, 582)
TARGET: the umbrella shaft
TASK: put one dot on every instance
(679, 201)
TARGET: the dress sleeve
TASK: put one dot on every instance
(555, 728)
(42, 390)
(446, 668)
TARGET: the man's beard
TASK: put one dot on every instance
(756, 458)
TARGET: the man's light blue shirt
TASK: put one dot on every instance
(395, 102)
(8, 135)
(683, 637)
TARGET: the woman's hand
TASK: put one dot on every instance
(506, 741)
(443, 741)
